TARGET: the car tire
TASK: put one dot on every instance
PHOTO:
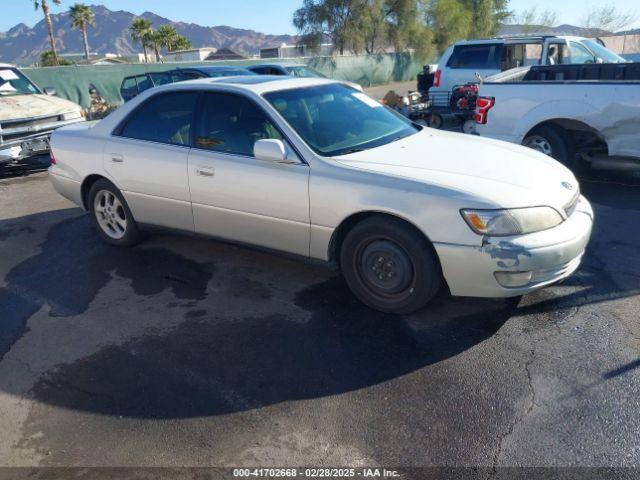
(389, 265)
(554, 142)
(435, 120)
(111, 215)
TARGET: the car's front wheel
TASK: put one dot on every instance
(112, 216)
(389, 265)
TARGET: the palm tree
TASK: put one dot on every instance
(182, 43)
(47, 19)
(142, 32)
(81, 17)
(167, 37)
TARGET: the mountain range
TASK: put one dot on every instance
(23, 45)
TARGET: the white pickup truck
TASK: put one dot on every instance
(574, 113)
(28, 115)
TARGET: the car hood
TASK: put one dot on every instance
(498, 174)
(14, 107)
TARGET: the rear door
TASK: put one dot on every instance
(147, 157)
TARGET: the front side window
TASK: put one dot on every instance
(579, 54)
(232, 124)
(13, 82)
(165, 118)
(603, 53)
(335, 119)
(483, 56)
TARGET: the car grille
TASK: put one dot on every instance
(13, 130)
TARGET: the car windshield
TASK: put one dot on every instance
(335, 119)
(602, 52)
(302, 71)
(12, 82)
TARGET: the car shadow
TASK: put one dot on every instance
(319, 342)
(212, 363)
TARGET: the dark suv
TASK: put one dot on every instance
(135, 84)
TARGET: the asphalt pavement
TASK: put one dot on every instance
(184, 351)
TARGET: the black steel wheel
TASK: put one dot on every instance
(389, 265)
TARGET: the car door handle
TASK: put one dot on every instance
(205, 172)
(117, 158)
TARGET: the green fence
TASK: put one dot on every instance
(73, 82)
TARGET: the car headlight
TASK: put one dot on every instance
(515, 221)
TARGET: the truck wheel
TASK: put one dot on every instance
(552, 141)
(111, 215)
(435, 121)
(389, 266)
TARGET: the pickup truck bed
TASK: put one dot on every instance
(593, 110)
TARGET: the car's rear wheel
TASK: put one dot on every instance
(554, 142)
(112, 215)
(389, 265)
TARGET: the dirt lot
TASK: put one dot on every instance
(185, 351)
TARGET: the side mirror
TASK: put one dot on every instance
(599, 60)
(270, 150)
(49, 91)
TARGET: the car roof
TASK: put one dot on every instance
(283, 65)
(514, 38)
(258, 84)
(214, 68)
(6, 65)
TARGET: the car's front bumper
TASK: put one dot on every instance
(549, 256)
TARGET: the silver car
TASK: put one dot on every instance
(316, 168)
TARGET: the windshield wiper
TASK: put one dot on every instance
(350, 150)
(400, 137)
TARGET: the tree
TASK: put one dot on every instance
(142, 32)
(532, 20)
(605, 19)
(362, 24)
(182, 43)
(81, 17)
(167, 37)
(47, 19)
(333, 18)
(406, 27)
(48, 59)
(486, 16)
(449, 22)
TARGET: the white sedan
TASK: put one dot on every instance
(316, 168)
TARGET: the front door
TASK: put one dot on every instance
(234, 195)
(148, 157)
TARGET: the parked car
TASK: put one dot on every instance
(564, 110)
(135, 84)
(315, 168)
(281, 69)
(28, 115)
(303, 71)
(462, 60)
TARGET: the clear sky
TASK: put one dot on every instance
(267, 16)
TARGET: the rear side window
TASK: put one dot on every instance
(165, 118)
(485, 56)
